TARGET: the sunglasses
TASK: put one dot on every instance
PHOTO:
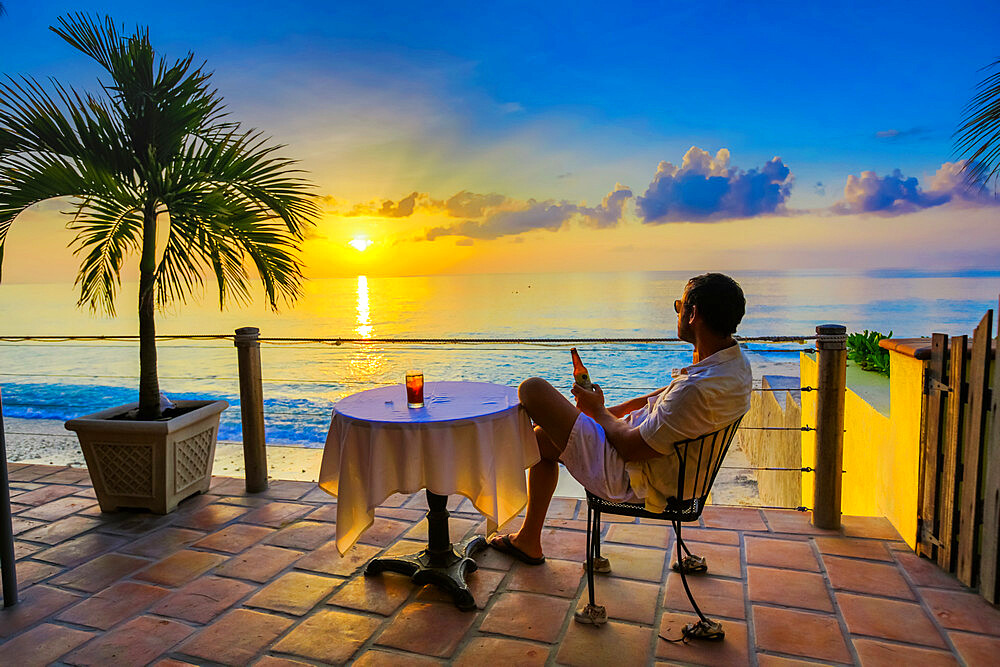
(677, 306)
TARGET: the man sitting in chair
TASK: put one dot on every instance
(625, 453)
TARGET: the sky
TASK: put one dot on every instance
(565, 136)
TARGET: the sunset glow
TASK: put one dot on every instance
(486, 142)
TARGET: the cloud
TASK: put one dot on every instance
(467, 204)
(896, 194)
(389, 209)
(531, 215)
(705, 189)
(611, 209)
(535, 215)
(915, 133)
(402, 209)
(951, 179)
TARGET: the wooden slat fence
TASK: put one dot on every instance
(959, 505)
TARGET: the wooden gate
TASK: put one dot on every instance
(959, 522)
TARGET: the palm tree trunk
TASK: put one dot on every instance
(149, 383)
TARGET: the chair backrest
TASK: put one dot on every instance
(699, 460)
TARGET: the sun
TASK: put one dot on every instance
(360, 243)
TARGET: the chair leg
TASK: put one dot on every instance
(601, 564)
(593, 547)
(705, 628)
(691, 564)
(596, 529)
(592, 614)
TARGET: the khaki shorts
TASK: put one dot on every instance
(593, 462)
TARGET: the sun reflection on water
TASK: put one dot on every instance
(368, 363)
(364, 328)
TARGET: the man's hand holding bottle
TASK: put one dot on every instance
(589, 401)
(589, 396)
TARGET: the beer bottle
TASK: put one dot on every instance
(580, 374)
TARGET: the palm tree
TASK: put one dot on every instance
(978, 135)
(152, 143)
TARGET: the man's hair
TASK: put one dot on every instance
(720, 301)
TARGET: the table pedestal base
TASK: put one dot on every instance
(450, 575)
(441, 563)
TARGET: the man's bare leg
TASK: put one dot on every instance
(554, 417)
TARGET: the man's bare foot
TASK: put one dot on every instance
(509, 545)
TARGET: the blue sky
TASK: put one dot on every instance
(560, 101)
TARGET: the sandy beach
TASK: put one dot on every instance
(47, 441)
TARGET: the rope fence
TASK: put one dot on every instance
(391, 340)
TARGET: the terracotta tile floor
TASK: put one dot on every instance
(235, 579)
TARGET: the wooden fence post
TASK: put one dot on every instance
(247, 341)
(8, 570)
(990, 562)
(970, 509)
(831, 344)
(930, 464)
(948, 490)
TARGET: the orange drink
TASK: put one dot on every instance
(414, 389)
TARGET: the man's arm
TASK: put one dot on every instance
(626, 440)
(633, 404)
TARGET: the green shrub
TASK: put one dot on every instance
(863, 349)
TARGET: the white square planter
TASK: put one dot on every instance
(149, 464)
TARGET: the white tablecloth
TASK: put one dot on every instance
(471, 438)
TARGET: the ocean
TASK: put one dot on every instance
(302, 381)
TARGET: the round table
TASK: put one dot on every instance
(471, 438)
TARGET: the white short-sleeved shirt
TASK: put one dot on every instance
(702, 398)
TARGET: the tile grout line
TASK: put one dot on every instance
(747, 605)
(935, 621)
(661, 594)
(837, 611)
(575, 599)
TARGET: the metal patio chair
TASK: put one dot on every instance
(699, 460)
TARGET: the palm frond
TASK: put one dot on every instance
(226, 231)
(244, 165)
(30, 178)
(977, 139)
(107, 230)
(159, 106)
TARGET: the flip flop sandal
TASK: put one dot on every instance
(591, 615)
(505, 546)
(601, 565)
(691, 565)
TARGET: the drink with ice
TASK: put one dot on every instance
(414, 389)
